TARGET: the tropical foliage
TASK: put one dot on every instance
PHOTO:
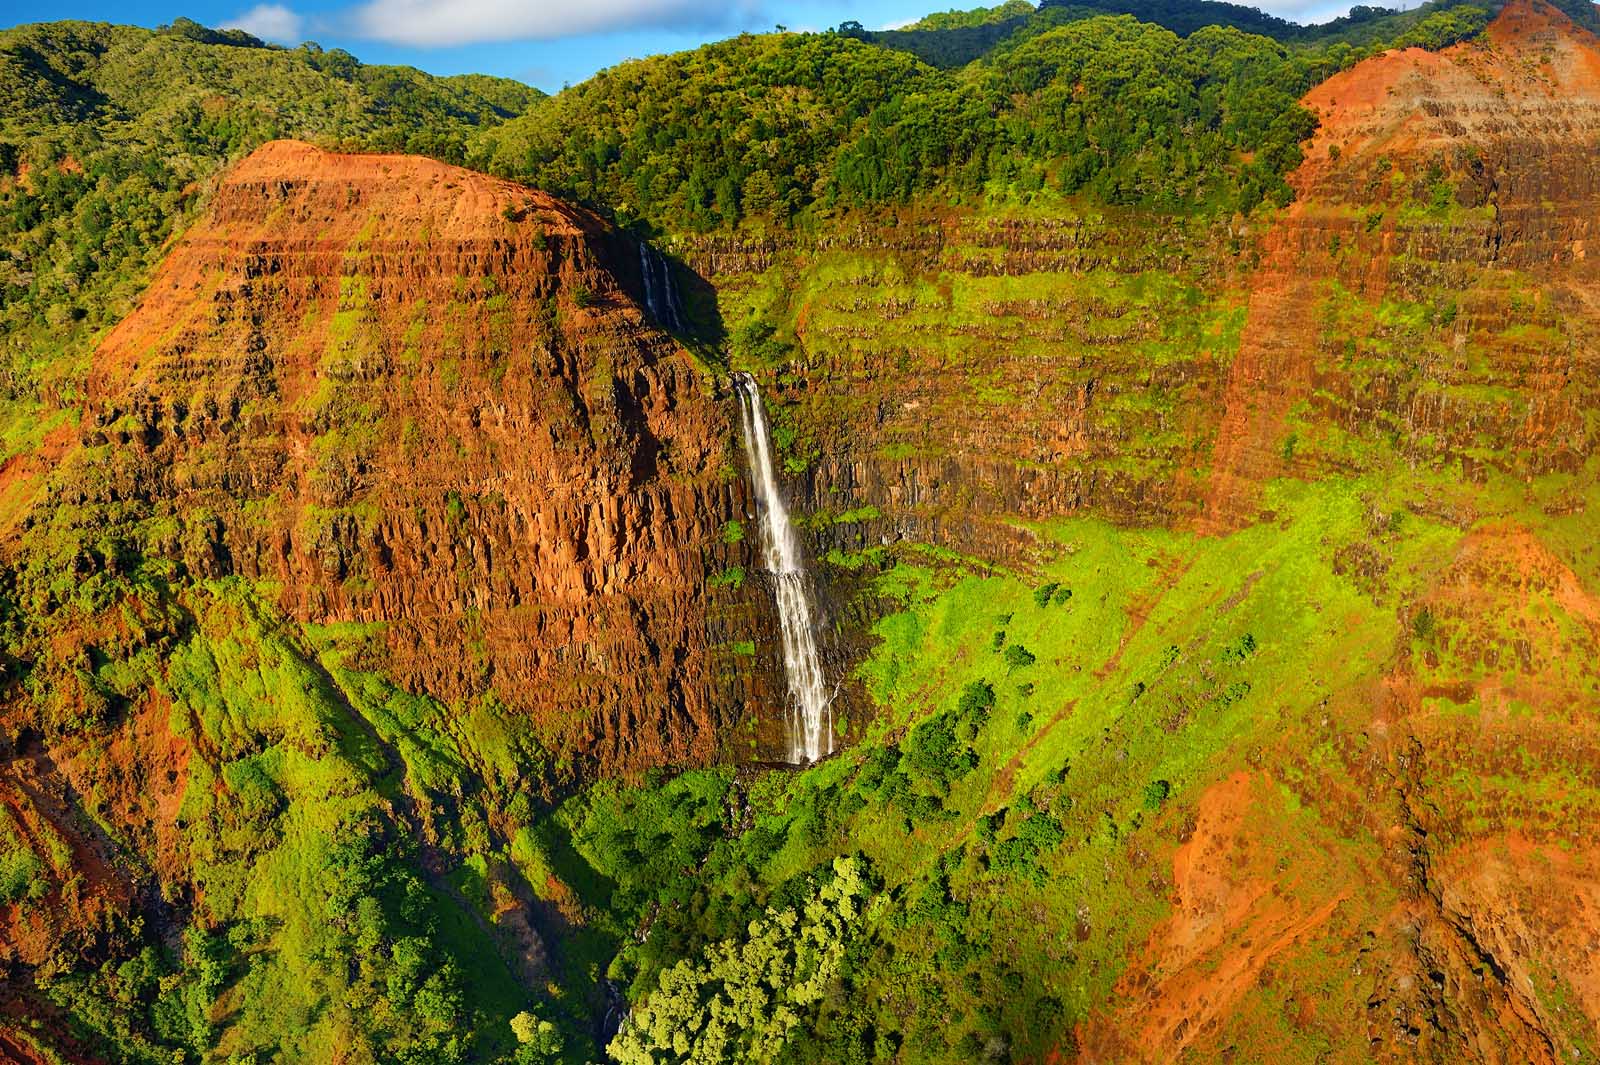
(782, 129)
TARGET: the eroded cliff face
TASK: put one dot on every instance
(959, 373)
(408, 408)
(954, 370)
(1432, 281)
(415, 399)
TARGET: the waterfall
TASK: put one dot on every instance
(660, 293)
(810, 713)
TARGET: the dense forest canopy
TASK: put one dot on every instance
(762, 130)
(978, 16)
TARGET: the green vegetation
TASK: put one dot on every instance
(1156, 793)
(538, 1040)
(978, 16)
(20, 874)
(317, 926)
(752, 994)
(1017, 656)
(732, 577)
(1193, 109)
(951, 38)
(984, 834)
(358, 871)
(1365, 27)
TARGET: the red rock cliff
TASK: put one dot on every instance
(413, 396)
(1462, 182)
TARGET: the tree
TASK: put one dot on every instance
(760, 195)
(746, 997)
(538, 1040)
(1018, 656)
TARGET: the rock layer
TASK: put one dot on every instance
(414, 398)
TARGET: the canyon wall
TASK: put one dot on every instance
(1422, 325)
(415, 401)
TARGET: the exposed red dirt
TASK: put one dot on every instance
(1533, 79)
(84, 891)
(1233, 913)
(1271, 371)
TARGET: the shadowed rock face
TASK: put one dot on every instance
(414, 397)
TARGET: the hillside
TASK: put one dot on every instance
(1194, 497)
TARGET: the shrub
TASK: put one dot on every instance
(1043, 594)
(933, 750)
(1155, 794)
(1018, 656)
(732, 577)
(538, 1041)
(20, 871)
(1035, 836)
(977, 699)
(1242, 648)
(1423, 624)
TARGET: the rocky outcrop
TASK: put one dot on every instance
(416, 399)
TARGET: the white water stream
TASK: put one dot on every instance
(810, 714)
(660, 294)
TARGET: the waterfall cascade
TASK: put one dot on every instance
(660, 293)
(810, 712)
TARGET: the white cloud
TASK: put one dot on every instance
(270, 22)
(443, 23)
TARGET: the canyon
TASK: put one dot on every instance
(437, 500)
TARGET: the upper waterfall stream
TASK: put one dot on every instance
(660, 292)
(810, 713)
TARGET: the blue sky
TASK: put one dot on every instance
(543, 42)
